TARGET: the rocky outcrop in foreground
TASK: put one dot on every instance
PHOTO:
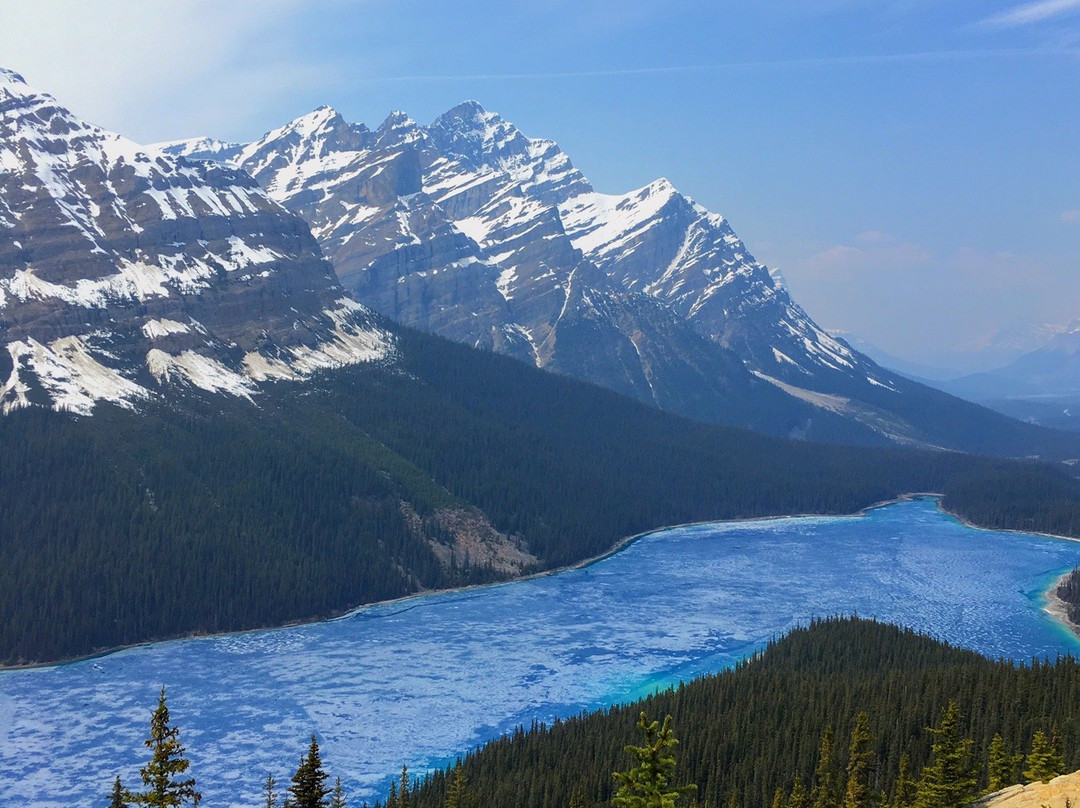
(1061, 792)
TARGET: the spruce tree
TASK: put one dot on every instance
(798, 794)
(455, 792)
(650, 783)
(337, 796)
(950, 778)
(1001, 766)
(906, 790)
(167, 762)
(117, 798)
(308, 789)
(861, 764)
(404, 791)
(1044, 762)
(270, 792)
(824, 794)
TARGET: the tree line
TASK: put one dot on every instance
(207, 514)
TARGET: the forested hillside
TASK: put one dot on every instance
(214, 514)
(746, 733)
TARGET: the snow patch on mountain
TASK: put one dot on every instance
(109, 251)
(153, 329)
(350, 341)
(65, 368)
(201, 371)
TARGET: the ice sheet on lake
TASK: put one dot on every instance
(421, 680)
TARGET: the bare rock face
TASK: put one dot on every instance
(1061, 792)
(123, 268)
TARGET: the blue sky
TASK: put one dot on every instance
(912, 167)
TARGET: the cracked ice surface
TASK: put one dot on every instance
(421, 680)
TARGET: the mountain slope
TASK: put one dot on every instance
(122, 270)
(170, 300)
(468, 229)
(204, 513)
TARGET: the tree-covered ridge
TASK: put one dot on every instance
(750, 732)
(213, 515)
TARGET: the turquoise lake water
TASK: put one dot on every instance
(421, 680)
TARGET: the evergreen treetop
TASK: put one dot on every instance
(861, 762)
(117, 800)
(308, 789)
(161, 775)
(650, 783)
(1044, 762)
(949, 780)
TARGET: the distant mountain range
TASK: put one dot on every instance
(1041, 386)
(471, 230)
(203, 431)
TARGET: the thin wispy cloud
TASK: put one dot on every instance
(1030, 13)
(856, 60)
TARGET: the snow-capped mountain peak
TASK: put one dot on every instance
(398, 131)
(123, 268)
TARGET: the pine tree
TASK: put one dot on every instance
(270, 792)
(1044, 762)
(650, 783)
(455, 792)
(1001, 766)
(824, 794)
(906, 790)
(391, 798)
(949, 780)
(337, 796)
(779, 799)
(798, 794)
(308, 789)
(403, 791)
(117, 798)
(166, 763)
(861, 764)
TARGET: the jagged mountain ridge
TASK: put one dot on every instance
(123, 269)
(468, 229)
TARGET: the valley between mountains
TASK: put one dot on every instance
(311, 372)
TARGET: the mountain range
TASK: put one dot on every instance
(124, 272)
(203, 431)
(469, 229)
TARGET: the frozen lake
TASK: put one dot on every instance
(421, 680)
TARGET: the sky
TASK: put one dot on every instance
(912, 167)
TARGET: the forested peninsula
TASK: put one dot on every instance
(789, 727)
(842, 713)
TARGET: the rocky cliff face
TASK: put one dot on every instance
(469, 229)
(123, 269)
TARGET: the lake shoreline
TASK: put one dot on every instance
(1057, 608)
(620, 545)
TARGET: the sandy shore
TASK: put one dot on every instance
(1057, 608)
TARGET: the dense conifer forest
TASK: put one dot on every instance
(879, 694)
(843, 713)
(214, 514)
